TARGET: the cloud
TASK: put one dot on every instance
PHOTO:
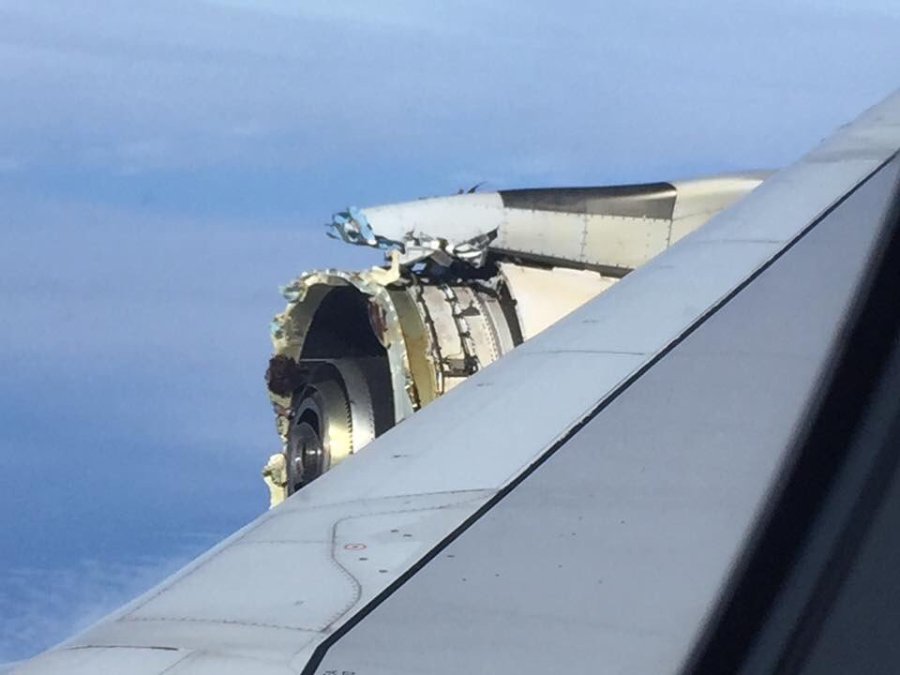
(441, 87)
(388, 14)
(43, 606)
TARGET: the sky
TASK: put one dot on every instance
(166, 165)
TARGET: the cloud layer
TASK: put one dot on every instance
(312, 97)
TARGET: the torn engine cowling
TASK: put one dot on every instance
(470, 277)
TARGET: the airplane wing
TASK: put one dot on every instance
(587, 503)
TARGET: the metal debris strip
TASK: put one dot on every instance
(353, 227)
(419, 247)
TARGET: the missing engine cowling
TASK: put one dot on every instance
(470, 277)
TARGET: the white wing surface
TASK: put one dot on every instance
(577, 505)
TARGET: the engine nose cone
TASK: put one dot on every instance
(307, 459)
(321, 430)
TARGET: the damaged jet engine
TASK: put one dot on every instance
(470, 277)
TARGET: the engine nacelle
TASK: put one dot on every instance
(470, 277)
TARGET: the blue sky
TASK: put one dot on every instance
(165, 165)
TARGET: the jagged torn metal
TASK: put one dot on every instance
(352, 226)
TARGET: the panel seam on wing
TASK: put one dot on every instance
(226, 622)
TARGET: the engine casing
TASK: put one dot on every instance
(470, 278)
